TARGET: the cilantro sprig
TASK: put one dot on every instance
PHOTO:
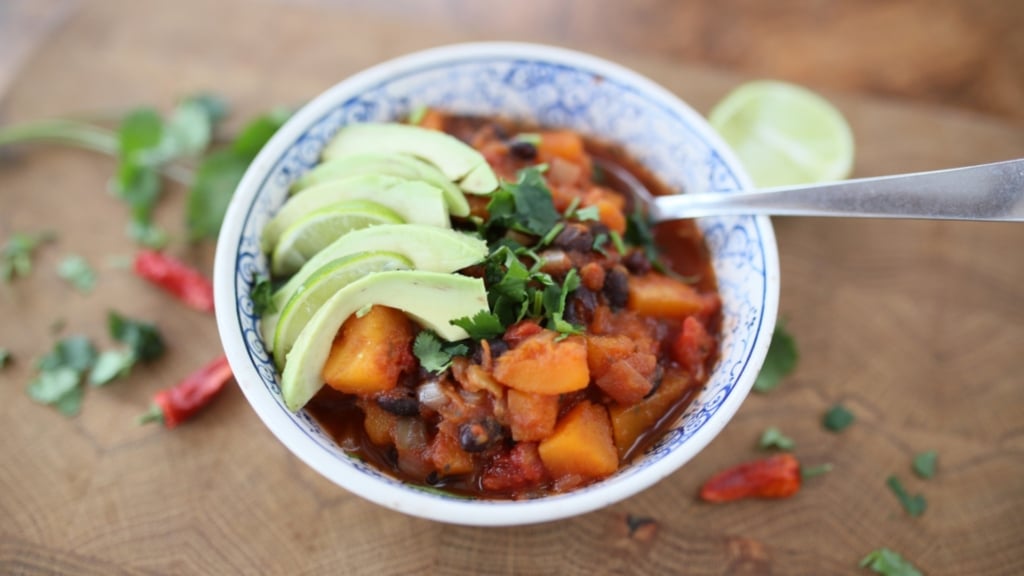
(434, 354)
(17, 252)
(77, 272)
(888, 563)
(780, 361)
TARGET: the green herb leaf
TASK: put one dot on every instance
(837, 418)
(482, 326)
(143, 339)
(417, 114)
(914, 505)
(16, 256)
(51, 385)
(257, 132)
(640, 232)
(772, 437)
(812, 471)
(263, 296)
(525, 206)
(78, 273)
(600, 240)
(924, 464)
(5, 357)
(620, 247)
(888, 563)
(70, 404)
(215, 107)
(588, 213)
(111, 365)
(780, 361)
(434, 354)
(555, 298)
(74, 352)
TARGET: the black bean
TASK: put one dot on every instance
(575, 237)
(399, 401)
(616, 287)
(498, 347)
(597, 228)
(580, 306)
(637, 262)
(478, 435)
(522, 150)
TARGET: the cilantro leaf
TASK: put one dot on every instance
(71, 403)
(525, 206)
(640, 232)
(263, 296)
(111, 365)
(78, 273)
(888, 563)
(258, 131)
(914, 505)
(924, 464)
(588, 213)
(74, 352)
(434, 354)
(482, 326)
(58, 382)
(51, 385)
(5, 357)
(555, 298)
(812, 471)
(780, 361)
(16, 256)
(143, 339)
(837, 418)
(772, 437)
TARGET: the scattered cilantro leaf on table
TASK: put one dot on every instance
(59, 378)
(780, 361)
(16, 256)
(888, 563)
(78, 273)
(143, 339)
(838, 418)
(915, 505)
(5, 357)
(434, 354)
(812, 471)
(924, 464)
(772, 437)
(111, 365)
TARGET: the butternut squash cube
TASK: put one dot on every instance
(379, 423)
(624, 384)
(448, 457)
(604, 351)
(542, 365)
(581, 444)
(370, 353)
(630, 423)
(659, 296)
(532, 417)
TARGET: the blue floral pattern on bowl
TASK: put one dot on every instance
(550, 94)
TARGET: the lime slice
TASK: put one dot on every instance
(303, 239)
(784, 134)
(416, 202)
(323, 283)
(397, 165)
(430, 249)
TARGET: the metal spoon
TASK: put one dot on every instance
(988, 192)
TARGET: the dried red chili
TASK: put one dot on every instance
(774, 477)
(174, 405)
(176, 277)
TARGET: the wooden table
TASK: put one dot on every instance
(918, 327)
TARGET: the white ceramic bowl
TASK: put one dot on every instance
(552, 87)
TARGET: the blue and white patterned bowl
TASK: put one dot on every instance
(548, 86)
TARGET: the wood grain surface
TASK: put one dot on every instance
(918, 327)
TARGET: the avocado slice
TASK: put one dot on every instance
(430, 298)
(454, 158)
(415, 202)
(397, 165)
(428, 248)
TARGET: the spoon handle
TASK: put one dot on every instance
(991, 192)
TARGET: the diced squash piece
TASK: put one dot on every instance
(611, 216)
(532, 417)
(542, 365)
(378, 423)
(624, 384)
(659, 296)
(561, 144)
(581, 444)
(370, 353)
(604, 351)
(448, 456)
(629, 423)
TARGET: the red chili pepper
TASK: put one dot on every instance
(774, 477)
(174, 405)
(176, 277)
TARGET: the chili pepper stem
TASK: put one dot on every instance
(154, 414)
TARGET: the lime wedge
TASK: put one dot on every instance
(397, 165)
(428, 248)
(310, 234)
(784, 134)
(416, 202)
(323, 283)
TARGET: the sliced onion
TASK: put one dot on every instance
(410, 434)
(431, 395)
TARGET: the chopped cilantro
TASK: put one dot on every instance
(620, 247)
(888, 563)
(914, 505)
(812, 471)
(74, 352)
(571, 210)
(482, 326)
(434, 354)
(924, 464)
(78, 273)
(554, 299)
(5, 357)
(143, 339)
(837, 418)
(16, 256)
(417, 114)
(588, 213)
(525, 206)
(263, 297)
(772, 437)
(780, 361)
(639, 232)
(111, 365)
(599, 241)
(58, 382)
(551, 235)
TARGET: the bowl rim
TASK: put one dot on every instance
(425, 505)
